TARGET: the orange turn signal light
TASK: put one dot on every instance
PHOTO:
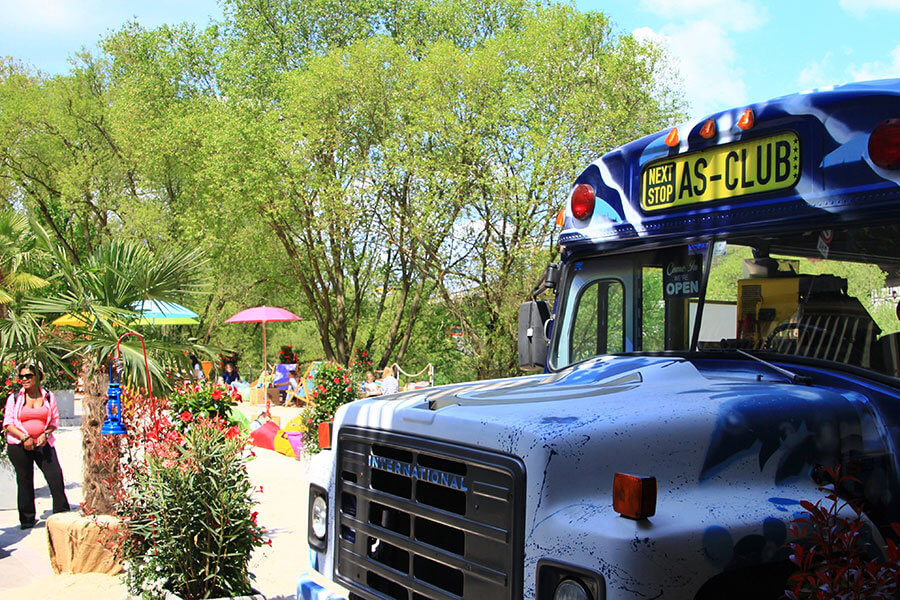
(325, 435)
(708, 130)
(561, 217)
(634, 496)
(747, 120)
(672, 139)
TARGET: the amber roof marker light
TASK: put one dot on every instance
(672, 139)
(708, 130)
(747, 120)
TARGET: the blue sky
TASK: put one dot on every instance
(733, 52)
(727, 52)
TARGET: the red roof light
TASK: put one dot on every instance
(583, 201)
(884, 144)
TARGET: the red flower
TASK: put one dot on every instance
(232, 433)
(321, 388)
(8, 382)
(217, 394)
(365, 353)
(336, 380)
(186, 416)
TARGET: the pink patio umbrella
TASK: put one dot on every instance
(263, 314)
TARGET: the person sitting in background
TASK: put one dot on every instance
(389, 384)
(370, 388)
(197, 367)
(231, 374)
(293, 381)
(259, 421)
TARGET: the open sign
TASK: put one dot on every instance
(682, 280)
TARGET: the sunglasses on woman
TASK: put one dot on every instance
(26, 375)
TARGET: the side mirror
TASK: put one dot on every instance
(533, 317)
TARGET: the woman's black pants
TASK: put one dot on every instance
(45, 458)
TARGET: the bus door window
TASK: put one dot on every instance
(599, 323)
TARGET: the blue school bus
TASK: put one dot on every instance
(723, 337)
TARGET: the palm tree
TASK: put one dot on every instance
(17, 257)
(101, 290)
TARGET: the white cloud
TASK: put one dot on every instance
(42, 16)
(699, 40)
(817, 73)
(859, 8)
(833, 68)
(877, 69)
(705, 58)
(733, 15)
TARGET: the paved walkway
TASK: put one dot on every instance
(24, 559)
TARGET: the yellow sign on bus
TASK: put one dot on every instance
(760, 165)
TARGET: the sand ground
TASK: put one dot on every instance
(25, 570)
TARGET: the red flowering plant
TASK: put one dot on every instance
(287, 355)
(186, 505)
(834, 553)
(8, 385)
(334, 386)
(232, 358)
(59, 378)
(360, 362)
(191, 400)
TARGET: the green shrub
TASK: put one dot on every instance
(188, 513)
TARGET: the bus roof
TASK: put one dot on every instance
(802, 161)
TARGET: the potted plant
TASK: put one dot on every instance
(186, 507)
(334, 386)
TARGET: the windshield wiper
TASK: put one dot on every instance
(792, 377)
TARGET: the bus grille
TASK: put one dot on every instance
(418, 519)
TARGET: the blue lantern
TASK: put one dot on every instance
(113, 424)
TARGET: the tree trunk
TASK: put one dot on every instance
(101, 482)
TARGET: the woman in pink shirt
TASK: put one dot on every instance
(30, 419)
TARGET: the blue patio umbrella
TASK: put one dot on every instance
(156, 312)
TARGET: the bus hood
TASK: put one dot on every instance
(616, 412)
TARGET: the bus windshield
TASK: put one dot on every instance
(829, 295)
